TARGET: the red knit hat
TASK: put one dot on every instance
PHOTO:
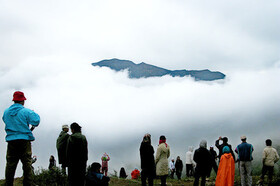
(18, 96)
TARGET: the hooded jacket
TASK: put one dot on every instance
(162, 155)
(17, 120)
(61, 144)
(225, 175)
(189, 156)
(135, 174)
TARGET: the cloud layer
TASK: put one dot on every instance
(115, 111)
(175, 35)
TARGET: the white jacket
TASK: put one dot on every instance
(270, 156)
(189, 156)
(171, 165)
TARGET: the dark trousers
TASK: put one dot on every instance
(215, 167)
(196, 179)
(178, 174)
(19, 150)
(145, 176)
(76, 174)
(266, 169)
(189, 170)
(163, 180)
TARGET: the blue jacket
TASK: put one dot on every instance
(17, 120)
(244, 151)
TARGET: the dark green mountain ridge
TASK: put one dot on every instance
(143, 70)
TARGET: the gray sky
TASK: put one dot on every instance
(46, 49)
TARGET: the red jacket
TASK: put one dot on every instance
(135, 174)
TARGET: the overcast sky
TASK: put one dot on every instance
(47, 48)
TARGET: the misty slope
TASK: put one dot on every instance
(144, 70)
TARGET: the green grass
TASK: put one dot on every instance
(57, 178)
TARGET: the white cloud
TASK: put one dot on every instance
(116, 111)
(176, 34)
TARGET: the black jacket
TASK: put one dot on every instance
(220, 147)
(203, 160)
(147, 158)
(77, 149)
(179, 165)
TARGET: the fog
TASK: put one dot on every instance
(47, 48)
(115, 111)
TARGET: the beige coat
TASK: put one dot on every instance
(162, 156)
(270, 156)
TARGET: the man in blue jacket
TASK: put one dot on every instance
(19, 136)
(244, 151)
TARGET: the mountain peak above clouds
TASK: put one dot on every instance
(144, 70)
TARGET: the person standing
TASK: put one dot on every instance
(225, 175)
(202, 157)
(61, 144)
(189, 162)
(147, 161)
(17, 119)
(172, 168)
(179, 167)
(269, 157)
(244, 151)
(214, 157)
(162, 155)
(77, 156)
(105, 158)
(221, 146)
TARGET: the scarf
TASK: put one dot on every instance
(163, 141)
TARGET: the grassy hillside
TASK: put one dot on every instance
(128, 182)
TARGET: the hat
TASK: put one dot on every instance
(243, 137)
(226, 149)
(18, 96)
(65, 127)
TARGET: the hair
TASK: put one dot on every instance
(203, 144)
(162, 138)
(225, 139)
(95, 167)
(76, 127)
(52, 157)
(268, 142)
(19, 102)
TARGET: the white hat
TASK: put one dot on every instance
(243, 137)
(65, 127)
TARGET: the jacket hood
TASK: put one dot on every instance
(191, 148)
(14, 109)
(227, 155)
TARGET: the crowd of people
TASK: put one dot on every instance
(73, 155)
